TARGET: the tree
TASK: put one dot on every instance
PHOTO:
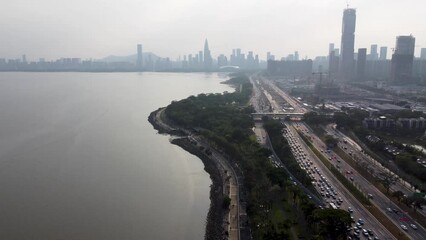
(398, 194)
(226, 202)
(417, 201)
(387, 180)
(314, 118)
(330, 141)
(332, 223)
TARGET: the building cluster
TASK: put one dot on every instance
(347, 65)
(203, 61)
(63, 64)
(387, 123)
(359, 66)
(341, 64)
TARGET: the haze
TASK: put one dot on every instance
(170, 28)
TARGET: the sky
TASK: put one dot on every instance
(86, 29)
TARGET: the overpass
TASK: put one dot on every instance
(279, 115)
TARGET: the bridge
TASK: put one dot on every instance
(292, 115)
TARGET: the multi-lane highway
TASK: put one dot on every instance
(334, 193)
(396, 215)
(302, 154)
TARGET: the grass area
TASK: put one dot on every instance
(379, 215)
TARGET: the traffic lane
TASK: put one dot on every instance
(349, 200)
(358, 153)
(378, 168)
(384, 203)
(379, 199)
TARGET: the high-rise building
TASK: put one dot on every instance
(296, 56)
(337, 52)
(330, 47)
(423, 54)
(383, 53)
(139, 60)
(200, 56)
(347, 45)
(374, 55)
(208, 62)
(361, 62)
(402, 59)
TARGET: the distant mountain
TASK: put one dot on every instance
(130, 58)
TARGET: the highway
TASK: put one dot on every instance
(355, 151)
(398, 217)
(331, 189)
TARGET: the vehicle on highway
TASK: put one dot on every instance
(404, 227)
(413, 226)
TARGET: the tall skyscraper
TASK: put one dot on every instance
(347, 45)
(296, 56)
(139, 60)
(402, 59)
(207, 57)
(374, 55)
(423, 54)
(383, 53)
(361, 62)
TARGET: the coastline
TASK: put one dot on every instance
(216, 217)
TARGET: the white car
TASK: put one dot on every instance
(413, 226)
(404, 227)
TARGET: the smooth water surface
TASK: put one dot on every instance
(79, 160)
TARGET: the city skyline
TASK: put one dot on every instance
(55, 29)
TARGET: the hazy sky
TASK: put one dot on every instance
(97, 28)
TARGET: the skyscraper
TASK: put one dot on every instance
(361, 62)
(296, 56)
(207, 57)
(402, 59)
(383, 53)
(423, 54)
(139, 60)
(330, 47)
(374, 55)
(347, 45)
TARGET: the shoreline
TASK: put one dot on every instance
(215, 227)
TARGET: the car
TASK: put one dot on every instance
(351, 178)
(404, 227)
(364, 231)
(370, 232)
(370, 196)
(389, 210)
(361, 221)
(413, 226)
(350, 210)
